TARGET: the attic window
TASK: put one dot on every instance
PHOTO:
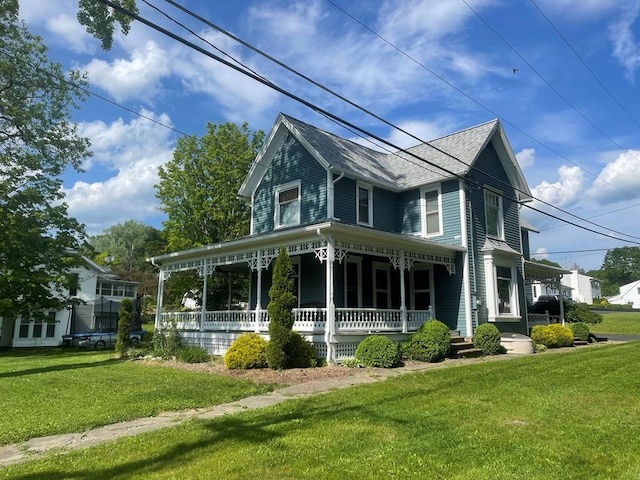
(287, 205)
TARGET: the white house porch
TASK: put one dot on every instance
(335, 330)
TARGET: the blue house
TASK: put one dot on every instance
(380, 242)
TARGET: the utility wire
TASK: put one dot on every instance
(589, 69)
(330, 115)
(326, 89)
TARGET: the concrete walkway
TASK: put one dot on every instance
(38, 447)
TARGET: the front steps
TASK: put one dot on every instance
(461, 348)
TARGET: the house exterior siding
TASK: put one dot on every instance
(451, 223)
(411, 216)
(292, 162)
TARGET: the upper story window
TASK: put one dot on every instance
(115, 289)
(493, 214)
(287, 210)
(432, 216)
(365, 204)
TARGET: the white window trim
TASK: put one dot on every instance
(386, 267)
(276, 212)
(369, 188)
(423, 210)
(498, 194)
(491, 282)
(358, 262)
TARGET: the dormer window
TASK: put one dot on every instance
(287, 211)
(493, 214)
(365, 204)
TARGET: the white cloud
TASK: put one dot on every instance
(619, 180)
(626, 48)
(526, 157)
(135, 151)
(541, 253)
(424, 130)
(72, 34)
(137, 78)
(585, 10)
(563, 192)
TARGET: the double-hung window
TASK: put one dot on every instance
(493, 214)
(365, 204)
(287, 209)
(502, 289)
(432, 217)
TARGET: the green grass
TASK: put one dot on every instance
(622, 323)
(567, 415)
(48, 392)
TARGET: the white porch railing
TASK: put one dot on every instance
(307, 320)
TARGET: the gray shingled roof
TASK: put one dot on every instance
(399, 169)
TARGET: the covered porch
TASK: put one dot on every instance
(340, 303)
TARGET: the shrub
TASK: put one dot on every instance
(438, 333)
(580, 330)
(301, 352)
(193, 354)
(247, 351)
(166, 343)
(554, 335)
(487, 338)
(420, 349)
(579, 312)
(123, 341)
(377, 351)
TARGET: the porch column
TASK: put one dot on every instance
(158, 321)
(560, 296)
(203, 312)
(259, 291)
(330, 324)
(403, 300)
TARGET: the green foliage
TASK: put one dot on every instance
(125, 313)
(431, 343)
(280, 308)
(38, 143)
(302, 353)
(166, 343)
(554, 335)
(486, 337)
(580, 330)
(193, 354)
(247, 351)
(620, 266)
(437, 333)
(378, 351)
(580, 312)
(100, 19)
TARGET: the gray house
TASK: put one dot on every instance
(380, 242)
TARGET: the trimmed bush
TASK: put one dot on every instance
(554, 335)
(377, 351)
(487, 338)
(579, 312)
(125, 313)
(438, 333)
(420, 349)
(301, 352)
(249, 350)
(193, 354)
(580, 330)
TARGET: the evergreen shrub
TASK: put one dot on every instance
(437, 333)
(554, 335)
(247, 351)
(123, 341)
(193, 354)
(579, 312)
(580, 330)
(420, 349)
(377, 351)
(486, 337)
(301, 352)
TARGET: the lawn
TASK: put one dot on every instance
(622, 323)
(49, 391)
(556, 415)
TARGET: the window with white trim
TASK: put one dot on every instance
(353, 282)
(493, 214)
(287, 208)
(501, 276)
(506, 290)
(431, 208)
(364, 201)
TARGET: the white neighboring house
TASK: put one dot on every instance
(629, 294)
(100, 293)
(576, 286)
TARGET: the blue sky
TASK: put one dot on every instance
(570, 108)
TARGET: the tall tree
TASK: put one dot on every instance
(100, 19)
(198, 187)
(198, 190)
(620, 266)
(38, 141)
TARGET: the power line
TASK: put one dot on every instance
(334, 117)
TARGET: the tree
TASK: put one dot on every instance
(125, 313)
(198, 190)
(100, 19)
(280, 308)
(620, 266)
(38, 142)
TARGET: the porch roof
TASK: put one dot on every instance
(308, 239)
(542, 272)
